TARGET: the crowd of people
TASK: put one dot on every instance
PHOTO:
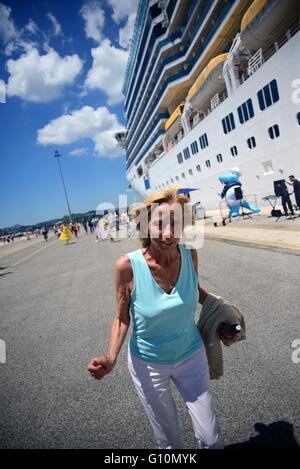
(106, 227)
(7, 239)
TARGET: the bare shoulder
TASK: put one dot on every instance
(124, 270)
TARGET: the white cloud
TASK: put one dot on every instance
(98, 125)
(32, 27)
(79, 151)
(107, 71)
(13, 38)
(40, 78)
(20, 40)
(18, 44)
(123, 8)
(8, 30)
(57, 31)
(94, 18)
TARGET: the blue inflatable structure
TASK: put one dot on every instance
(233, 195)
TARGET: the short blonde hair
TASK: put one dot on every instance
(143, 211)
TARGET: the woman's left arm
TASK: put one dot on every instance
(202, 292)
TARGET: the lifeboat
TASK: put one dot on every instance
(173, 124)
(266, 20)
(209, 82)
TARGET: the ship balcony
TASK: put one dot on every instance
(250, 70)
(259, 58)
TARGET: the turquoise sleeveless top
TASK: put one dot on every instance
(164, 329)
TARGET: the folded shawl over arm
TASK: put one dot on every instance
(216, 310)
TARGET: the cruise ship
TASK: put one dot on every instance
(211, 85)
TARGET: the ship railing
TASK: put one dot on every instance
(196, 120)
(179, 136)
(215, 101)
(283, 39)
(201, 116)
(259, 58)
(152, 163)
(255, 62)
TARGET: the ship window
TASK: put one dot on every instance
(268, 95)
(191, 172)
(179, 158)
(207, 162)
(203, 141)
(273, 131)
(298, 118)
(140, 171)
(154, 11)
(172, 180)
(261, 100)
(219, 158)
(198, 167)
(274, 91)
(186, 153)
(177, 178)
(228, 123)
(234, 151)
(245, 111)
(194, 147)
(251, 143)
(183, 175)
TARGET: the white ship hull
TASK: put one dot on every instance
(268, 161)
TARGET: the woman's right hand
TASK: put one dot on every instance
(100, 366)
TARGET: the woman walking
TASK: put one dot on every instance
(98, 230)
(45, 233)
(66, 234)
(159, 284)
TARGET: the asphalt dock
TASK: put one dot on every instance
(56, 307)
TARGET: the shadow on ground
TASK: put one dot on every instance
(277, 435)
(5, 273)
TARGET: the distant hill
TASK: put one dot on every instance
(49, 223)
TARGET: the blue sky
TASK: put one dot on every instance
(62, 63)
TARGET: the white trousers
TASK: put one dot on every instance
(191, 378)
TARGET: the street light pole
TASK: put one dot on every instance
(57, 156)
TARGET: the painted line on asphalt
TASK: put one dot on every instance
(28, 257)
(274, 244)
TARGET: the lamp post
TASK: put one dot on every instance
(57, 156)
